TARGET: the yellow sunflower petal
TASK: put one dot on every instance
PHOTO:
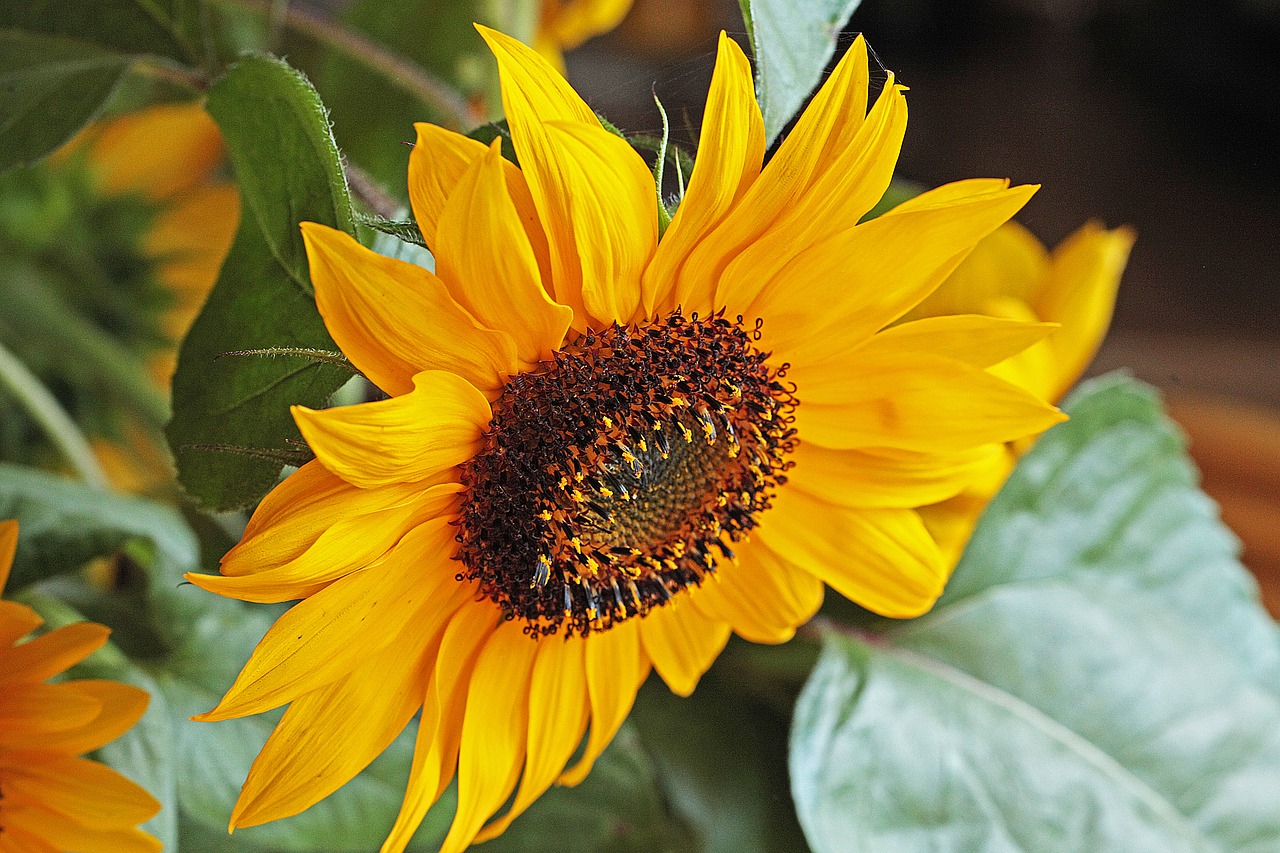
(291, 517)
(191, 236)
(159, 151)
(731, 149)
(682, 643)
(16, 621)
(1035, 369)
(56, 651)
(914, 401)
(1080, 294)
(1009, 262)
(602, 189)
(348, 546)
(886, 477)
(435, 752)
(501, 287)
(557, 719)
(437, 425)
(93, 795)
(19, 840)
(568, 23)
(309, 502)
(329, 735)
(8, 548)
(119, 707)
(972, 338)
(823, 132)
(830, 122)
(838, 293)
(494, 731)
(763, 598)
(882, 559)
(839, 196)
(63, 834)
(615, 668)
(326, 637)
(394, 319)
(533, 94)
(439, 161)
(29, 712)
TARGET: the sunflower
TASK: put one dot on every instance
(603, 452)
(1011, 274)
(565, 24)
(51, 800)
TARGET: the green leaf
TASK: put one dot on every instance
(231, 430)
(374, 111)
(405, 230)
(50, 87)
(792, 42)
(1099, 674)
(720, 757)
(243, 401)
(127, 26)
(64, 524)
(286, 162)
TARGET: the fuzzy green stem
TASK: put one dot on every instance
(51, 417)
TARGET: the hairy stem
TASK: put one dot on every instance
(24, 387)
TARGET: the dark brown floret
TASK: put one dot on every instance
(618, 473)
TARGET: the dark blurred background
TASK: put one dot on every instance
(1159, 115)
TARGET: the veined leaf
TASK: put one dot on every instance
(287, 165)
(231, 431)
(221, 404)
(1098, 676)
(50, 87)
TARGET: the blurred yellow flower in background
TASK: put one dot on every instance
(603, 452)
(154, 182)
(565, 24)
(52, 800)
(172, 156)
(1011, 274)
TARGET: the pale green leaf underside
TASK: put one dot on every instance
(1099, 675)
(792, 43)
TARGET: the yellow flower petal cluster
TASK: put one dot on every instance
(601, 452)
(51, 799)
(1011, 274)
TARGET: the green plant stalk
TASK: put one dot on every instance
(52, 418)
(400, 71)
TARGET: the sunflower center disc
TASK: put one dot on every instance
(613, 475)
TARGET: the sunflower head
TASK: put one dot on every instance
(51, 799)
(602, 452)
(655, 446)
